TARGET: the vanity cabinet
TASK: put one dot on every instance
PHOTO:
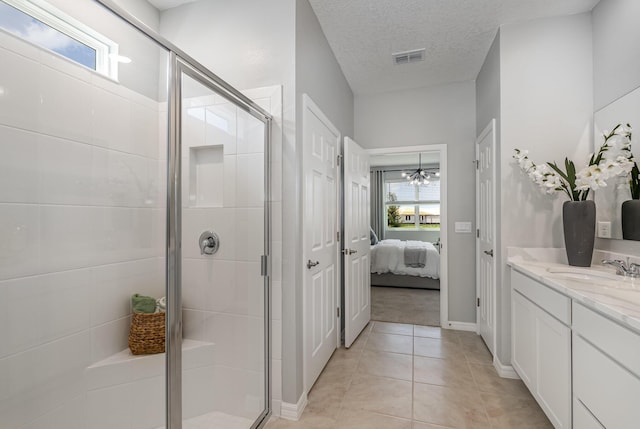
(541, 345)
(606, 371)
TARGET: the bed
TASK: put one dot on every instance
(405, 264)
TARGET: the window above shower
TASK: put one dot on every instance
(41, 24)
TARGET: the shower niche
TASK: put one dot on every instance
(206, 176)
(209, 141)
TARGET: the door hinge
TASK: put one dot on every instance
(338, 235)
(339, 160)
(477, 302)
(338, 312)
(478, 233)
(477, 163)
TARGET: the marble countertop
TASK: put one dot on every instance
(596, 287)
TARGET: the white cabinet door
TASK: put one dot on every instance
(605, 369)
(582, 418)
(541, 353)
(357, 269)
(553, 359)
(523, 343)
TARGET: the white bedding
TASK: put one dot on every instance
(388, 257)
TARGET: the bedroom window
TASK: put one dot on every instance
(412, 206)
(43, 25)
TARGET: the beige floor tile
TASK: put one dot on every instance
(343, 361)
(445, 347)
(421, 425)
(307, 421)
(457, 408)
(360, 419)
(386, 364)
(393, 328)
(488, 380)
(390, 343)
(475, 349)
(506, 412)
(379, 395)
(433, 332)
(359, 343)
(326, 396)
(444, 372)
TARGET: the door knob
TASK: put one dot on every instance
(349, 251)
(311, 264)
(489, 252)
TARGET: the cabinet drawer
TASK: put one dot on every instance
(554, 303)
(607, 389)
(620, 343)
(582, 418)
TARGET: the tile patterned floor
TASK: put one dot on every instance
(405, 305)
(401, 376)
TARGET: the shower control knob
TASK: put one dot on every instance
(209, 243)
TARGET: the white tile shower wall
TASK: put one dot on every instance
(81, 229)
(222, 294)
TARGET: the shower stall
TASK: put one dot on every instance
(139, 173)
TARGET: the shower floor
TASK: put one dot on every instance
(216, 420)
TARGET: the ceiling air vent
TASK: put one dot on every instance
(408, 57)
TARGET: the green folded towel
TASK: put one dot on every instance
(143, 304)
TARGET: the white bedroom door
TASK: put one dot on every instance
(320, 242)
(485, 246)
(357, 277)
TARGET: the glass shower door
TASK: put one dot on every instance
(224, 291)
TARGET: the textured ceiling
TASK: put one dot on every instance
(456, 34)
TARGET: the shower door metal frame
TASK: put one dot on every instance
(181, 63)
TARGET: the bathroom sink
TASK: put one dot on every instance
(601, 279)
(583, 274)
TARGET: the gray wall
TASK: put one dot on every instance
(434, 115)
(488, 107)
(616, 70)
(317, 74)
(546, 107)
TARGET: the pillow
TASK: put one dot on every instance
(373, 237)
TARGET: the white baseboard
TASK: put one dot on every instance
(293, 411)
(505, 371)
(461, 326)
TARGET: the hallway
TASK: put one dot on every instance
(400, 376)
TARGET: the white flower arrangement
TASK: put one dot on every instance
(576, 185)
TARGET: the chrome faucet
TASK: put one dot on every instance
(623, 268)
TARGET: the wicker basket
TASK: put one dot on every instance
(147, 333)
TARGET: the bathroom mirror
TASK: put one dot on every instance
(609, 200)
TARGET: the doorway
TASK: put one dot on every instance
(409, 219)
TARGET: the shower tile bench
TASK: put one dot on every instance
(136, 384)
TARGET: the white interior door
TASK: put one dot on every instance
(320, 243)
(357, 277)
(486, 239)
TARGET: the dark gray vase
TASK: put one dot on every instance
(579, 222)
(631, 220)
